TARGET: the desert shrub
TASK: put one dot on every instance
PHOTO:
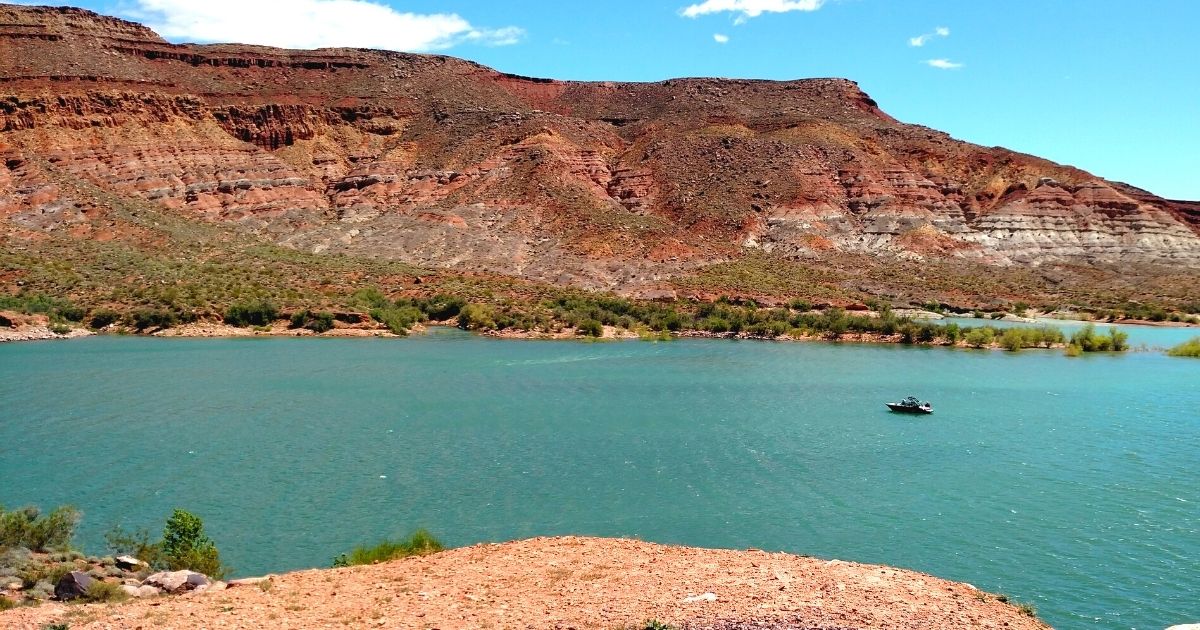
(104, 317)
(476, 317)
(59, 328)
(100, 591)
(369, 297)
(715, 324)
(184, 546)
(1087, 340)
(317, 322)
(57, 309)
(1119, 340)
(26, 527)
(146, 318)
(441, 307)
(35, 573)
(419, 543)
(1012, 340)
(6, 603)
(41, 591)
(137, 544)
(591, 328)
(979, 337)
(800, 305)
(1189, 348)
(256, 313)
(398, 319)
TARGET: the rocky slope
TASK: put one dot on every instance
(569, 583)
(441, 162)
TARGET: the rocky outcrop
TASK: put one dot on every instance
(442, 162)
(175, 582)
(72, 585)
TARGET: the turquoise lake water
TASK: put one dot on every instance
(1072, 484)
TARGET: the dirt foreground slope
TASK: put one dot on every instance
(569, 582)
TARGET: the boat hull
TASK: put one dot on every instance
(907, 409)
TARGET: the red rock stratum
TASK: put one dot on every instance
(441, 162)
(569, 582)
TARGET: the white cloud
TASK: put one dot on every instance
(720, 39)
(313, 24)
(749, 8)
(921, 40)
(943, 64)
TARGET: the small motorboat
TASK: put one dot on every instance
(910, 405)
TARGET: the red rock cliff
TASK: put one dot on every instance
(439, 161)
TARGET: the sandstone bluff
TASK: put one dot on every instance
(442, 163)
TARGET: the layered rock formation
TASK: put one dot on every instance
(441, 162)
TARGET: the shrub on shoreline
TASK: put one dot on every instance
(317, 322)
(184, 545)
(246, 314)
(419, 543)
(153, 318)
(27, 527)
(57, 309)
(1189, 348)
(1087, 340)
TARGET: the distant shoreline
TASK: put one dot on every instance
(220, 330)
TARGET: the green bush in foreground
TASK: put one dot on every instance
(185, 546)
(26, 527)
(6, 603)
(420, 543)
(1189, 348)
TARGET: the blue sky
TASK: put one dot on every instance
(1111, 86)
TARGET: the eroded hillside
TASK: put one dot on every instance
(635, 187)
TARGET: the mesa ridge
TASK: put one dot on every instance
(443, 163)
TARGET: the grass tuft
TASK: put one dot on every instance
(104, 592)
(419, 543)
